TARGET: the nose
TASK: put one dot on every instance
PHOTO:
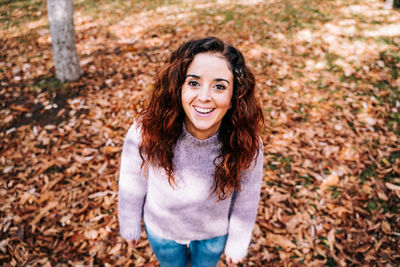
(204, 93)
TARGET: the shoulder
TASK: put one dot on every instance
(260, 152)
(134, 132)
(258, 157)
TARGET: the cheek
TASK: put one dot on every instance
(227, 101)
(186, 97)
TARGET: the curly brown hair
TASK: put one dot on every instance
(239, 133)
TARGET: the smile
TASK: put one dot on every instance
(203, 110)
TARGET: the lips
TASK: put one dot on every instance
(202, 110)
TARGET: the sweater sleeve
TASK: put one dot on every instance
(244, 211)
(132, 186)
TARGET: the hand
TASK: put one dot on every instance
(230, 262)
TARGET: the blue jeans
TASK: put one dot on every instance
(202, 253)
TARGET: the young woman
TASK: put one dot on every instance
(192, 162)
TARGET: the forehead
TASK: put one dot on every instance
(210, 65)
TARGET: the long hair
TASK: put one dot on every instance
(162, 120)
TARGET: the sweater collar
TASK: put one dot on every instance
(209, 141)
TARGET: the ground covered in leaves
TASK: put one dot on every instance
(328, 79)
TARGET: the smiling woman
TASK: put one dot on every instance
(206, 94)
(192, 162)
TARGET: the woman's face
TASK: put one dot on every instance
(206, 94)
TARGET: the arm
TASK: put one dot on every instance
(132, 187)
(244, 211)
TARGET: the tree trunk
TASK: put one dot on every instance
(61, 19)
(389, 4)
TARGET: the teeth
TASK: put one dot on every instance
(203, 110)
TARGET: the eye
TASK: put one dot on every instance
(193, 83)
(220, 87)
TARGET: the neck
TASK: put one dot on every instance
(203, 135)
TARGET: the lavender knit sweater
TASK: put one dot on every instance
(187, 211)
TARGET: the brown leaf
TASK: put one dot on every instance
(277, 197)
(111, 149)
(279, 240)
(293, 223)
(42, 213)
(331, 180)
(77, 237)
(392, 186)
(386, 228)
(91, 234)
(19, 108)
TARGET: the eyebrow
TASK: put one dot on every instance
(217, 79)
(221, 80)
(192, 75)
